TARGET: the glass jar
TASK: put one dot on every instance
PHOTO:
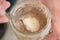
(16, 12)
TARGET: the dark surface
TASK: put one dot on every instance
(3, 28)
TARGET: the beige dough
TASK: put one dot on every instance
(31, 24)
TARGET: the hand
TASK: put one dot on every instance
(3, 6)
(54, 7)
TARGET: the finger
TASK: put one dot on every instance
(5, 5)
(56, 22)
(3, 19)
(49, 4)
(2, 12)
(2, 0)
(52, 36)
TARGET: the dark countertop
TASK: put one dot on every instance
(9, 35)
